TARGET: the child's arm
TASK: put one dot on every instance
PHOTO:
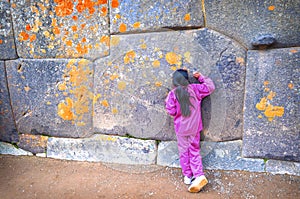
(205, 88)
(170, 104)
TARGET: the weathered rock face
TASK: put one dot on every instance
(52, 97)
(60, 29)
(7, 44)
(272, 120)
(8, 130)
(144, 15)
(247, 21)
(132, 83)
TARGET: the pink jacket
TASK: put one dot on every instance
(192, 124)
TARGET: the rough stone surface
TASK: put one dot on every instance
(6, 148)
(33, 143)
(272, 120)
(143, 15)
(132, 83)
(246, 20)
(283, 167)
(104, 148)
(52, 97)
(7, 44)
(60, 29)
(8, 130)
(215, 155)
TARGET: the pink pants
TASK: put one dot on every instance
(189, 154)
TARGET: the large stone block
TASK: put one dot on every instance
(34, 143)
(103, 148)
(8, 129)
(272, 119)
(215, 155)
(52, 97)
(7, 44)
(132, 83)
(283, 167)
(9, 149)
(143, 15)
(255, 23)
(60, 29)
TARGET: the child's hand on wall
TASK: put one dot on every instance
(196, 75)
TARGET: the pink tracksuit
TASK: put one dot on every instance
(188, 129)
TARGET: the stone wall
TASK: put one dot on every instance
(87, 80)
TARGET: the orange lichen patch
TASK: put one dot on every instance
(62, 86)
(69, 43)
(271, 8)
(105, 39)
(172, 58)
(129, 57)
(75, 18)
(273, 111)
(13, 5)
(23, 36)
(136, 24)
(114, 110)
(32, 37)
(82, 49)
(56, 30)
(54, 22)
(143, 46)
(114, 3)
(187, 17)
(105, 103)
(122, 27)
(81, 105)
(64, 7)
(271, 95)
(262, 104)
(156, 64)
(74, 28)
(65, 110)
(266, 83)
(158, 84)
(240, 60)
(27, 88)
(1, 41)
(115, 40)
(121, 85)
(95, 98)
(114, 76)
(291, 85)
(83, 39)
(28, 27)
(86, 5)
(118, 16)
(293, 51)
(78, 75)
(103, 11)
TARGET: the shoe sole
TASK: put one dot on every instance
(197, 188)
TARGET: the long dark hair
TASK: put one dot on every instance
(180, 81)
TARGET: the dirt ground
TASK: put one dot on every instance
(33, 177)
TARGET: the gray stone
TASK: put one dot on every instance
(283, 167)
(263, 40)
(9, 149)
(132, 83)
(104, 148)
(60, 29)
(143, 15)
(271, 118)
(246, 20)
(52, 97)
(8, 130)
(33, 143)
(7, 44)
(215, 155)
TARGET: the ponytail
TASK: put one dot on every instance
(181, 82)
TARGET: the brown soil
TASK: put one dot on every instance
(33, 177)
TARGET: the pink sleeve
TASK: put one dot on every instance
(170, 104)
(205, 88)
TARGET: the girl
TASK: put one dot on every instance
(184, 104)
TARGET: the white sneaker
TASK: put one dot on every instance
(198, 184)
(187, 180)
